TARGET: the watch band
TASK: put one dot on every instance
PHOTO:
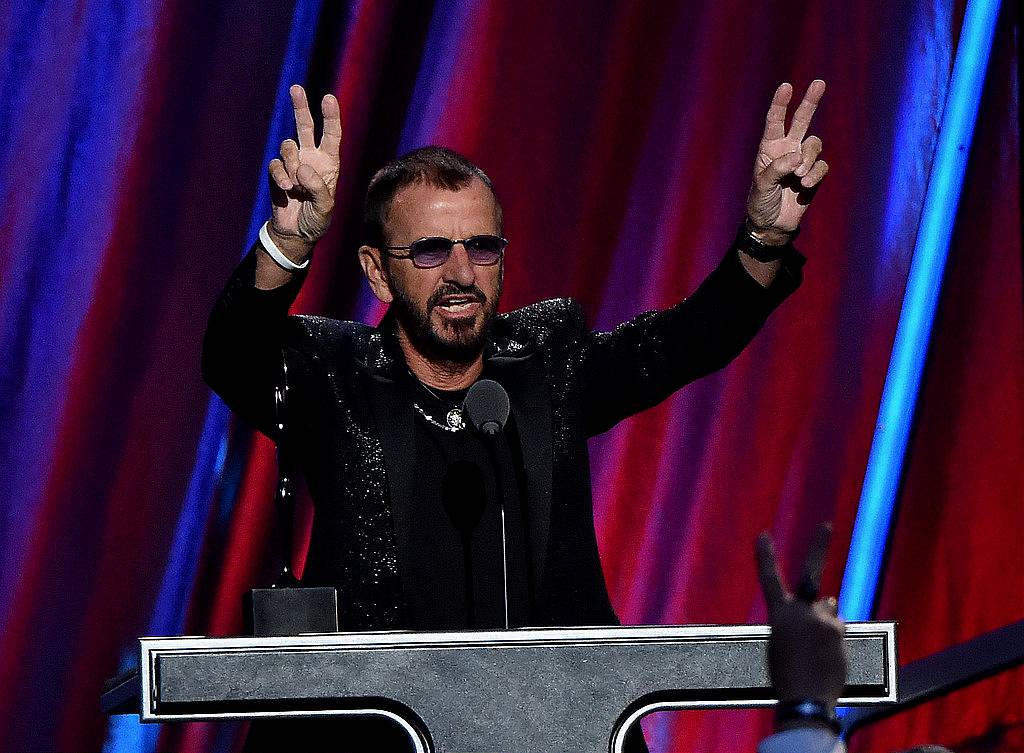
(808, 710)
(746, 242)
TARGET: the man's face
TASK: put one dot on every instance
(444, 311)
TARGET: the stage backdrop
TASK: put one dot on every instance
(620, 135)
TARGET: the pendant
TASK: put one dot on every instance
(454, 419)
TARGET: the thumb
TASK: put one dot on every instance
(777, 169)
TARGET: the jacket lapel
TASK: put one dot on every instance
(388, 393)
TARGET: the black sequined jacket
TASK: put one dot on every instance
(351, 420)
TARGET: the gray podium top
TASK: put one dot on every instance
(508, 691)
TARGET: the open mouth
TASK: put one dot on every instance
(458, 304)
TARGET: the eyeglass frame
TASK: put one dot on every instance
(411, 256)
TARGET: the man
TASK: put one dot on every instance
(418, 524)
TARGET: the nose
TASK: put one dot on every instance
(459, 269)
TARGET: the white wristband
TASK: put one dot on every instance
(275, 253)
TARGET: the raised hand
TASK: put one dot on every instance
(303, 180)
(806, 654)
(787, 171)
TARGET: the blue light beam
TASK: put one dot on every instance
(924, 284)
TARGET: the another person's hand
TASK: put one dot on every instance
(806, 653)
(303, 180)
(787, 170)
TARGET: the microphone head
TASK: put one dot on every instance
(486, 407)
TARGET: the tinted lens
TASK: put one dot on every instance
(430, 252)
(484, 249)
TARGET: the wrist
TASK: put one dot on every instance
(768, 236)
(288, 253)
(296, 248)
(753, 246)
(806, 712)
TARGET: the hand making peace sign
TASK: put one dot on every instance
(787, 170)
(303, 181)
(806, 655)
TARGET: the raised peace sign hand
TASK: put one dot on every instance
(787, 170)
(303, 180)
(806, 654)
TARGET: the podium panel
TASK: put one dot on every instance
(508, 691)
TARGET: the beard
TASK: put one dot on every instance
(459, 342)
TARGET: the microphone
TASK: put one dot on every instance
(486, 406)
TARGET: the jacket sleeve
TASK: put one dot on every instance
(644, 360)
(242, 349)
(802, 740)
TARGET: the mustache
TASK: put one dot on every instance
(448, 289)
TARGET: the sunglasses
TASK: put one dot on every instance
(483, 250)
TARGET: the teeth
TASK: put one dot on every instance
(453, 302)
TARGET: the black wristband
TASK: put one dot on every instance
(748, 244)
(806, 710)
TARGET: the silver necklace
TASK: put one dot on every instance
(453, 419)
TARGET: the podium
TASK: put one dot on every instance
(507, 691)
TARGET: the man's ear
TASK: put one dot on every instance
(376, 275)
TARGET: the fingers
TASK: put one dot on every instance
(768, 572)
(280, 183)
(829, 607)
(805, 111)
(809, 151)
(810, 578)
(330, 144)
(303, 117)
(775, 121)
(776, 170)
(814, 175)
(290, 157)
(279, 176)
(811, 170)
(319, 192)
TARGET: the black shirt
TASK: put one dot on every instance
(462, 548)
